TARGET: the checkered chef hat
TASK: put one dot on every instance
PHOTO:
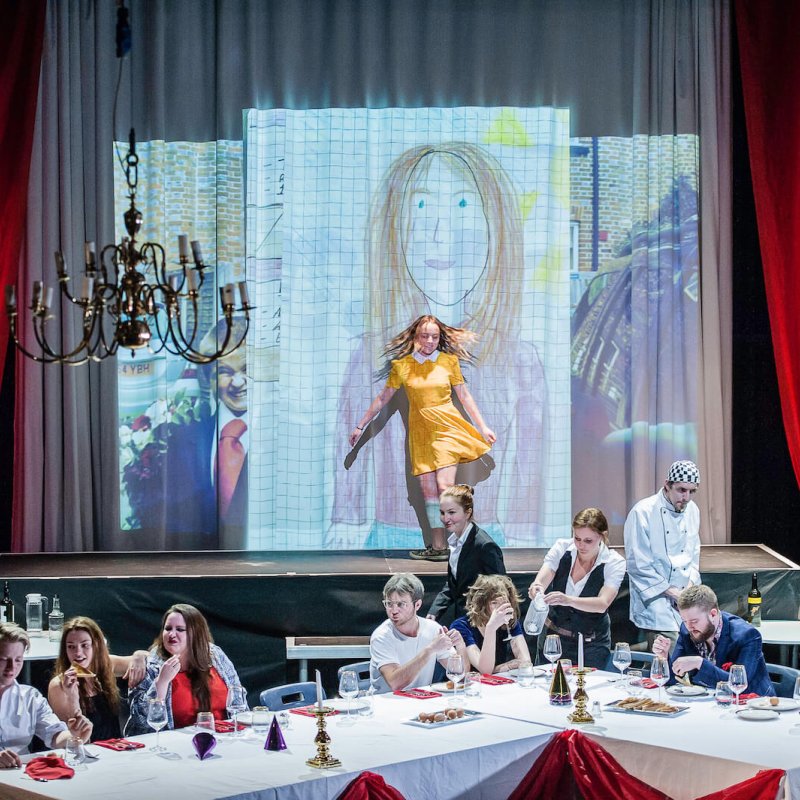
(684, 472)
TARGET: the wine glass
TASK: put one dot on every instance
(348, 688)
(157, 719)
(737, 680)
(509, 616)
(659, 673)
(235, 704)
(455, 671)
(622, 657)
(552, 649)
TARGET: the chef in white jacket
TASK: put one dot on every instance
(662, 548)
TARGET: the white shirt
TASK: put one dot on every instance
(421, 358)
(614, 565)
(23, 713)
(388, 646)
(662, 547)
(455, 543)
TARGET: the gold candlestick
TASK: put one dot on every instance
(581, 715)
(323, 759)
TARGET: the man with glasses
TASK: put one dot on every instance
(405, 647)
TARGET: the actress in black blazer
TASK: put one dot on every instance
(479, 555)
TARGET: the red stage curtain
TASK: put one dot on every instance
(573, 766)
(770, 63)
(369, 786)
(21, 37)
(763, 786)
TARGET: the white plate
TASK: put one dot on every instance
(757, 714)
(687, 691)
(442, 687)
(784, 704)
(468, 715)
(537, 672)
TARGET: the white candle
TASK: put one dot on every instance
(580, 651)
(183, 246)
(319, 691)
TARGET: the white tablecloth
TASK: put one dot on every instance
(484, 759)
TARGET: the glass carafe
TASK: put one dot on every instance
(36, 606)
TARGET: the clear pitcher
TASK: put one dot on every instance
(36, 606)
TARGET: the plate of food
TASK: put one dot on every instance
(690, 691)
(773, 703)
(438, 719)
(447, 686)
(646, 706)
(756, 714)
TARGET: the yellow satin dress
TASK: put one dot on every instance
(438, 436)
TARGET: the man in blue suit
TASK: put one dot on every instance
(710, 640)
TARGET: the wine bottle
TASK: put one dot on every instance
(55, 620)
(6, 605)
(754, 603)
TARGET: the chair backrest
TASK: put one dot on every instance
(361, 668)
(783, 679)
(291, 695)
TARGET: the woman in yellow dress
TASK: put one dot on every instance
(425, 361)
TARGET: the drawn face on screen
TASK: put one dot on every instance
(446, 242)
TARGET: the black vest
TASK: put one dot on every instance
(571, 619)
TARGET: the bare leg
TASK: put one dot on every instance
(430, 492)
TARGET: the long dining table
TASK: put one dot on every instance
(701, 750)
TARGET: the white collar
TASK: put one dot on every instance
(421, 359)
(457, 542)
(603, 557)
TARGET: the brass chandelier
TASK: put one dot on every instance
(131, 297)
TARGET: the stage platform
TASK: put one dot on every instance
(253, 600)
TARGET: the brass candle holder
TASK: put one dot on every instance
(323, 759)
(581, 715)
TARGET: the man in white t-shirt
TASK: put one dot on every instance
(405, 647)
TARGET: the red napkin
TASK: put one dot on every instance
(418, 694)
(743, 698)
(308, 711)
(495, 680)
(119, 744)
(648, 684)
(226, 726)
(49, 768)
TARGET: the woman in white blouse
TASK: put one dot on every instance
(580, 578)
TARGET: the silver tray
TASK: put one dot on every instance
(615, 707)
(468, 715)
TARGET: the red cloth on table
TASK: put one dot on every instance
(184, 703)
(573, 766)
(369, 786)
(762, 786)
(49, 768)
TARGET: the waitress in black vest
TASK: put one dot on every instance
(580, 578)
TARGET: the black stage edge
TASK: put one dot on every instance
(253, 600)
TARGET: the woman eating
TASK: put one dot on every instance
(472, 551)
(491, 629)
(580, 578)
(86, 677)
(186, 670)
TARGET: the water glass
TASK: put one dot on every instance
(723, 696)
(74, 754)
(566, 665)
(261, 720)
(366, 706)
(205, 721)
(634, 683)
(473, 688)
(525, 675)
(284, 720)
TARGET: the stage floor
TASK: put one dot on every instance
(210, 563)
